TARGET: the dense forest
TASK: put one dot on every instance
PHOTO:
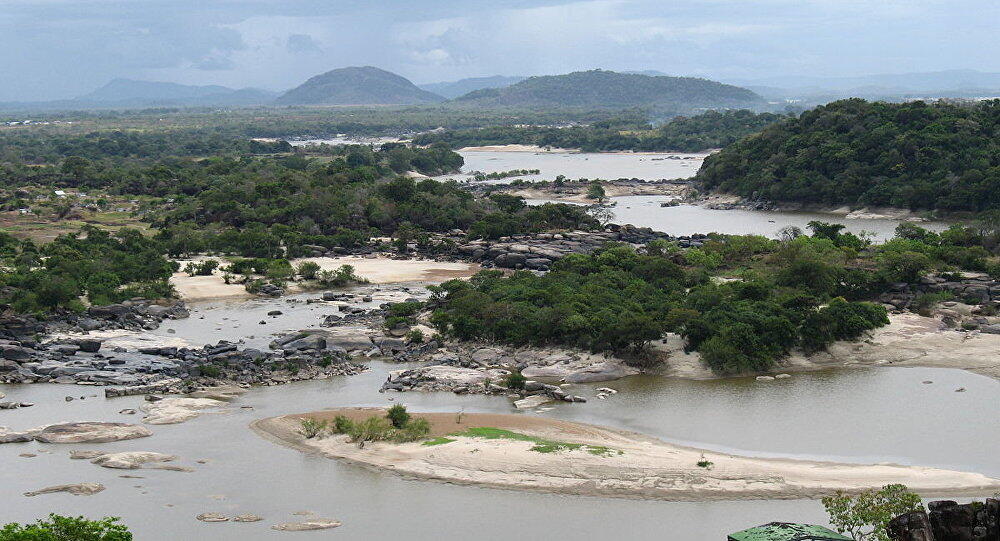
(802, 291)
(913, 155)
(708, 130)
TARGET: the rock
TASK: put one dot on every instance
(247, 518)
(782, 376)
(607, 390)
(176, 410)
(605, 371)
(274, 313)
(90, 432)
(131, 460)
(81, 489)
(212, 517)
(16, 437)
(764, 378)
(85, 455)
(16, 353)
(313, 524)
(532, 401)
(66, 349)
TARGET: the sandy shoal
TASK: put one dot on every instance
(379, 270)
(645, 468)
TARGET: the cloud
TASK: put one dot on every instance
(60, 48)
(302, 44)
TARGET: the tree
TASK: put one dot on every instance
(398, 416)
(60, 528)
(596, 191)
(865, 516)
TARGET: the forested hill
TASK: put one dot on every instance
(916, 155)
(713, 129)
(357, 86)
(609, 89)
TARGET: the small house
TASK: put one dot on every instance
(787, 531)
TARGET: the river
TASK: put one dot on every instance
(852, 415)
(894, 417)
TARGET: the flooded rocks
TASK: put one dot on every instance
(607, 371)
(177, 409)
(308, 525)
(91, 432)
(131, 460)
(532, 402)
(212, 517)
(248, 517)
(80, 489)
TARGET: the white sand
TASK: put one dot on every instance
(379, 270)
(645, 468)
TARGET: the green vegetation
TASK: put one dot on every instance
(395, 426)
(912, 155)
(713, 129)
(619, 299)
(496, 175)
(60, 528)
(611, 90)
(312, 428)
(440, 440)
(541, 445)
(515, 380)
(95, 265)
(864, 517)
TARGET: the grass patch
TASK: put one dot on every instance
(440, 440)
(541, 445)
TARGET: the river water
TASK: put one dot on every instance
(894, 417)
(852, 415)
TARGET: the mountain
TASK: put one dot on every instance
(132, 93)
(454, 89)
(357, 86)
(609, 89)
(889, 87)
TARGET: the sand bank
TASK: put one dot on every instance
(909, 340)
(378, 270)
(638, 467)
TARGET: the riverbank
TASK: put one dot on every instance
(611, 463)
(577, 192)
(377, 270)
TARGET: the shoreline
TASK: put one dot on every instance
(558, 150)
(646, 468)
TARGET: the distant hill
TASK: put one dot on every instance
(357, 86)
(609, 89)
(454, 89)
(132, 93)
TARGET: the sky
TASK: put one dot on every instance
(54, 49)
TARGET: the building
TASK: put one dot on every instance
(786, 531)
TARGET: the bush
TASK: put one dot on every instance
(415, 336)
(312, 428)
(60, 528)
(308, 270)
(342, 425)
(204, 268)
(210, 370)
(397, 416)
(515, 380)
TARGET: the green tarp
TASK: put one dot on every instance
(785, 531)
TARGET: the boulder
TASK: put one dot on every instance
(89, 432)
(313, 524)
(176, 410)
(89, 346)
(81, 489)
(532, 401)
(605, 371)
(131, 460)
(16, 353)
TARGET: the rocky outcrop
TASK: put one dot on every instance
(88, 432)
(175, 410)
(80, 489)
(971, 288)
(949, 521)
(308, 525)
(132, 460)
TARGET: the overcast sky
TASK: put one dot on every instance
(63, 48)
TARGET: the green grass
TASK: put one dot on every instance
(541, 445)
(441, 440)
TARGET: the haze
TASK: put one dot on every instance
(53, 49)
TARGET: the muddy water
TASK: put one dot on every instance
(576, 165)
(862, 415)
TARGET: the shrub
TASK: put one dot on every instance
(866, 515)
(312, 428)
(60, 528)
(210, 370)
(515, 380)
(415, 336)
(308, 270)
(342, 425)
(397, 416)
(204, 268)
(922, 304)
